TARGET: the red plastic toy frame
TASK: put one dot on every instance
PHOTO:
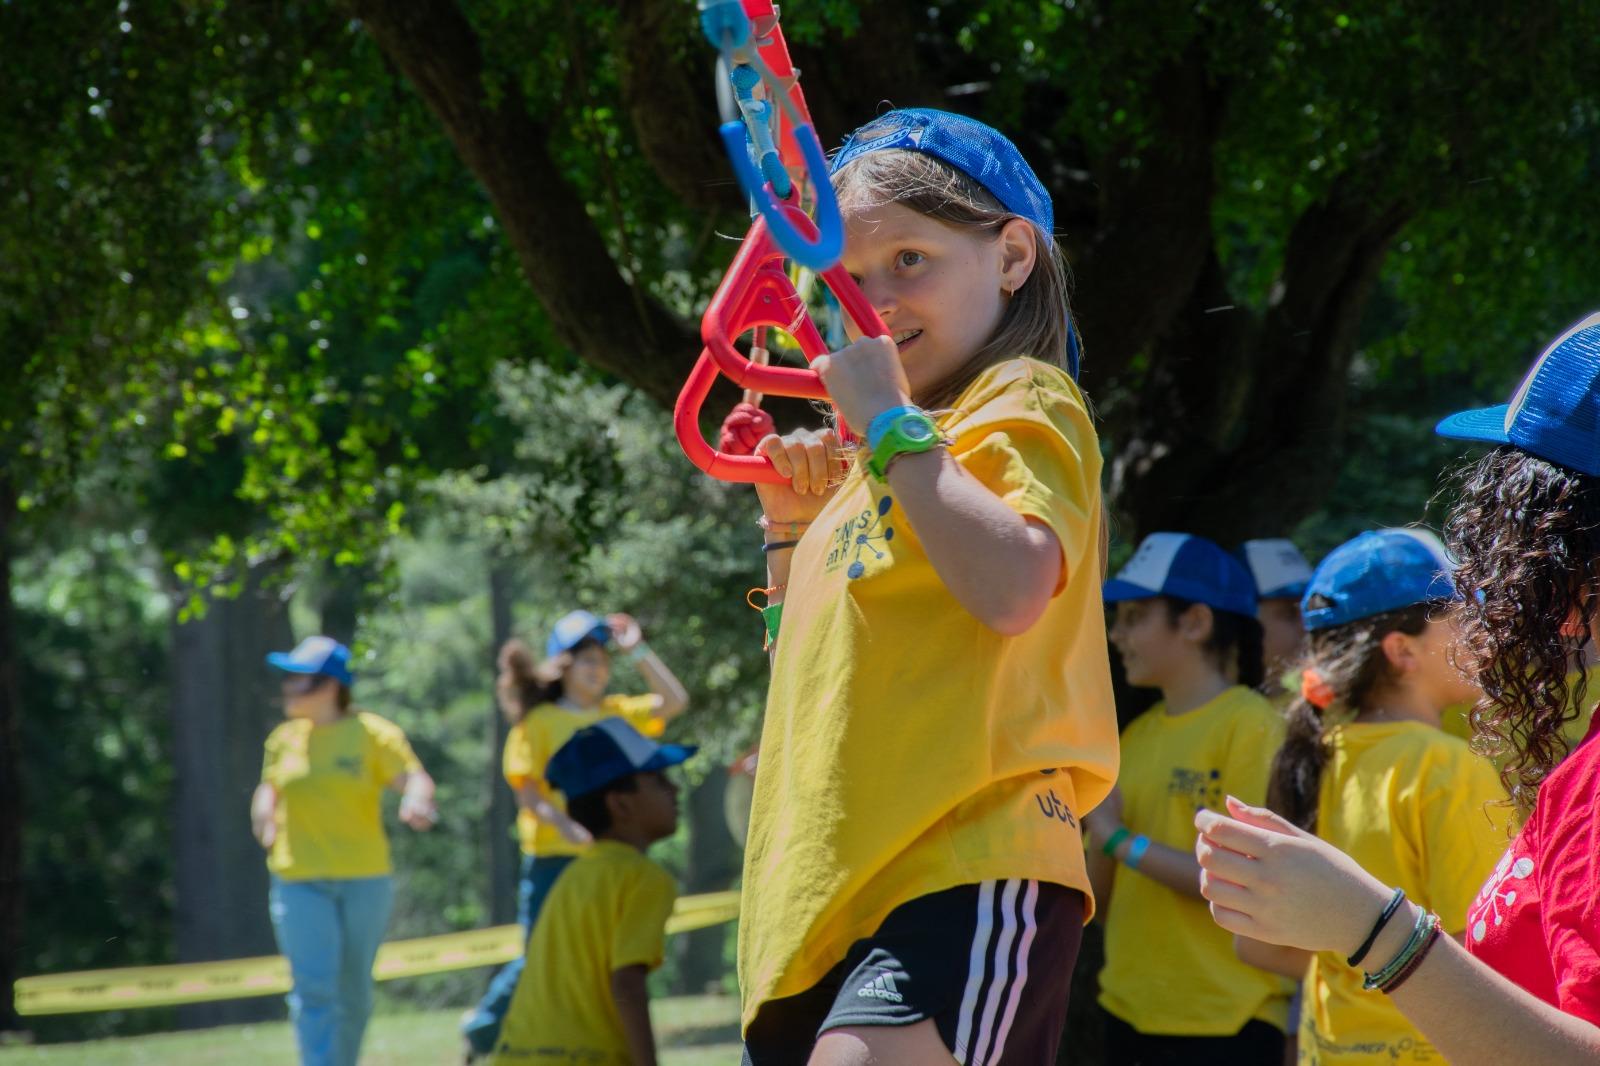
(756, 291)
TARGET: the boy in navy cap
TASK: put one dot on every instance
(581, 997)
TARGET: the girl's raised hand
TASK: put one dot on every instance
(864, 380)
(814, 461)
(1274, 882)
(625, 630)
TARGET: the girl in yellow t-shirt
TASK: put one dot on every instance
(1366, 766)
(1171, 986)
(316, 811)
(546, 703)
(940, 713)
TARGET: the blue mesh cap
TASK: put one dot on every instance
(1555, 413)
(1279, 569)
(315, 655)
(573, 629)
(981, 152)
(1188, 568)
(1382, 570)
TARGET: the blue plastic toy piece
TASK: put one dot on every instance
(724, 23)
(816, 255)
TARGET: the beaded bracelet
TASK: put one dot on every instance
(793, 529)
(1427, 924)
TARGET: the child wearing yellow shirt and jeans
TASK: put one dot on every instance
(317, 812)
(546, 703)
(1172, 988)
(1367, 767)
(602, 929)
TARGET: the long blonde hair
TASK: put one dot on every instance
(1036, 320)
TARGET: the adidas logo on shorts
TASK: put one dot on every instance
(882, 987)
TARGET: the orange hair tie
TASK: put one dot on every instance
(1315, 691)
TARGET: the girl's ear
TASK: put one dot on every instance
(1018, 248)
(1401, 651)
(1196, 622)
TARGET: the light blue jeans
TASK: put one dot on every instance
(329, 931)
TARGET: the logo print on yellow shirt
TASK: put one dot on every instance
(854, 538)
(348, 764)
(1052, 807)
(1203, 788)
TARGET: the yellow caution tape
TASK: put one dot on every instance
(267, 975)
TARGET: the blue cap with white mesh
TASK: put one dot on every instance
(1280, 571)
(608, 751)
(981, 152)
(1381, 570)
(1185, 567)
(573, 629)
(315, 655)
(1555, 413)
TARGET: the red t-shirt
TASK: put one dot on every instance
(1537, 919)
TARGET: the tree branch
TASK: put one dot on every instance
(592, 307)
(1240, 419)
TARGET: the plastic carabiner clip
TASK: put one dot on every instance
(816, 254)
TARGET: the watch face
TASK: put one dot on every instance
(916, 429)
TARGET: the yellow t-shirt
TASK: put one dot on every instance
(607, 911)
(1457, 721)
(1417, 809)
(1170, 970)
(907, 747)
(330, 781)
(533, 740)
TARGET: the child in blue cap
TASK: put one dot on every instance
(581, 997)
(1366, 766)
(317, 812)
(1172, 987)
(1280, 571)
(940, 714)
(1525, 985)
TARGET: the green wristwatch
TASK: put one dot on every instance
(905, 431)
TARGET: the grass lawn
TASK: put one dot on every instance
(693, 1031)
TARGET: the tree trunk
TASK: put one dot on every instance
(11, 809)
(500, 849)
(711, 864)
(224, 703)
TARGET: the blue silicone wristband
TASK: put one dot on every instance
(881, 422)
(1136, 850)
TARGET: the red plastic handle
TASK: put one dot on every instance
(757, 292)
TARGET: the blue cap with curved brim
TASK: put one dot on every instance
(574, 629)
(1555, 413)
(608, 751)
(1185, 567)
(1279, 569)
(315, 655)
(1380, 570)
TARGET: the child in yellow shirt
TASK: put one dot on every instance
(940, 714)
(581, 997)
(546, 702)
(1173, 990)
(1366, 766)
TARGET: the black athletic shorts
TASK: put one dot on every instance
(990, 964)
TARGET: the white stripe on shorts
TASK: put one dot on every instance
(1001, 971)
(975, 964)
(1030, 926)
